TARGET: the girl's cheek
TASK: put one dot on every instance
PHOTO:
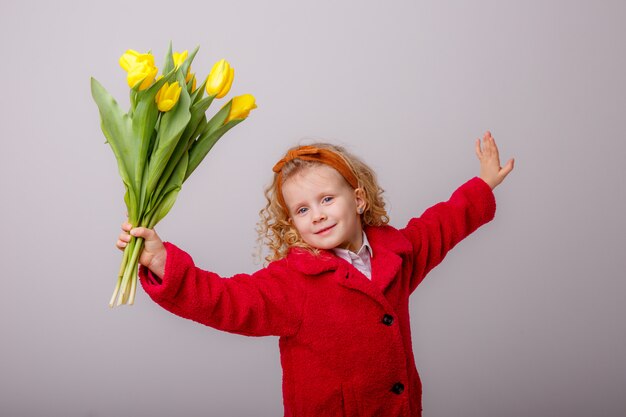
(299, 227)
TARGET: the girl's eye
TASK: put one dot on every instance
(301, 210)
(327, 199)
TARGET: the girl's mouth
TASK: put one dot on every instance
(325, 230)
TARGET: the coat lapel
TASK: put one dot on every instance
(388, 246)
(310, 264)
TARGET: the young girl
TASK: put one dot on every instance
(337, 288)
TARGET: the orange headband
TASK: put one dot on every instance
(311, 153)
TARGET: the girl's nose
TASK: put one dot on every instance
(319, 216)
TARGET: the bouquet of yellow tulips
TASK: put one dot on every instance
(162, 138)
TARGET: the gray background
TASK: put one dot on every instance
(524, 318)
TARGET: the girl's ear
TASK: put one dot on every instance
(361, 202)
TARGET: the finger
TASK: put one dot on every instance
(493, 149)
(126, 227)
(120, 245)
(142, 232)
(137, 231)
(507, 168)
(479, 153)
(487, 146)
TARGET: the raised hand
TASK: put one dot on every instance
(490, 170)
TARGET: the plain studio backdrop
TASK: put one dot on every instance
(524, 318)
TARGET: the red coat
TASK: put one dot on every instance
(345, 341)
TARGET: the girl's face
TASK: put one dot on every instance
(324, 208)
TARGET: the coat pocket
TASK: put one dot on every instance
(350, 401)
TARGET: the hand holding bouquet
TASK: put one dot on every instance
(162, 138)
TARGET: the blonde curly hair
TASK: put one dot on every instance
(275, 229)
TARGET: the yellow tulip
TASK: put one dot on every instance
(142, 72)
(241, 107)
(128, 59)
(168, 96)
(220, 79)
(131, 58)
(179, 58)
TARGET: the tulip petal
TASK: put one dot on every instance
(228, 83)
(218, 77)
(179, 58)
(128, 59)
(241, 107)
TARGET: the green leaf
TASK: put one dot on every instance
(197, 95)
(198, 111)
(168, 65)
(180, 152)
(218, 119)
(117, 128)
(189, 86)
(171, 127)
(144, 121)
(199, 129)
(132, 205)
(185, 66)
(167, 196)
(197, 116)
(203, 145)
(145, 118)
(164, 207)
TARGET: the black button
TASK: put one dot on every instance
(387, 320)
(398, 388)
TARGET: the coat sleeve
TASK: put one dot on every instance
(268, 302)
(445, 224)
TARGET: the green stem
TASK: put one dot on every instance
(116, 291)
(133, 286)
(128, 254)
(133, 102)
(120, 274)
(133, 282)
(129, 274)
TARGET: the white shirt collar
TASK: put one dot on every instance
(361, 259)
(345, 253)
